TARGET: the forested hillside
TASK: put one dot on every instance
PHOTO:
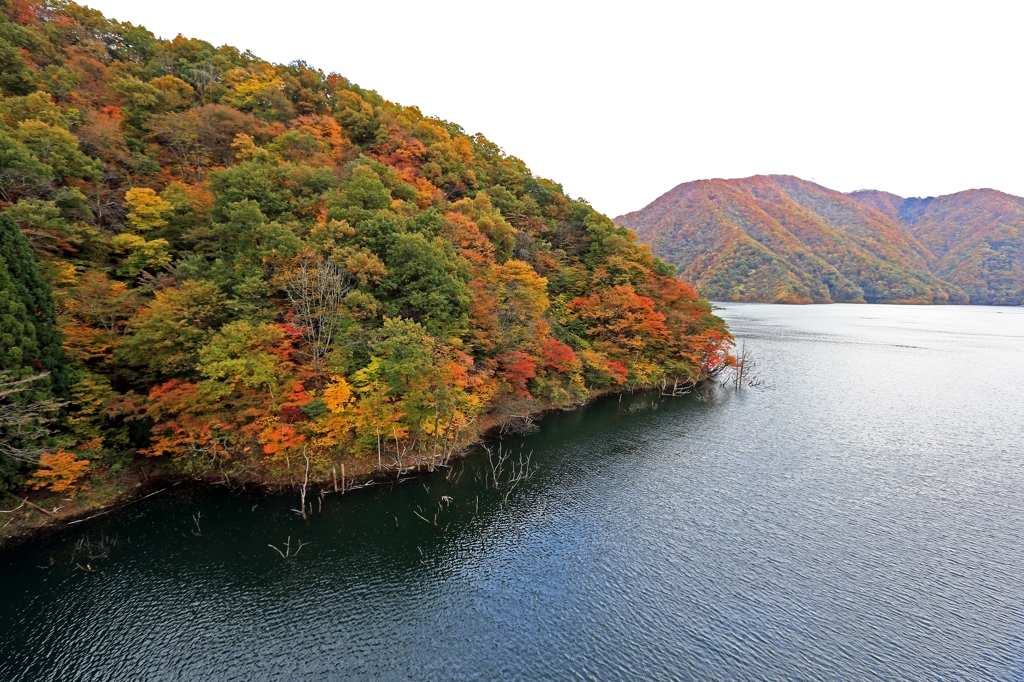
(976, 239)
(781, 239)
(240, 269)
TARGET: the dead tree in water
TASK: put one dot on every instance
(302, 491)
(740, 368)
(518, 470)
(678, 389)
(497, 463)
(743, 371)
(287, 554)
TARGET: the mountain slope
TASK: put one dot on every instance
(782, 239)
(977, 238)
(258, 264)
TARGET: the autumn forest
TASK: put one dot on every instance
(220, 267)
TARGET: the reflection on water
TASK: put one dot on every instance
(860, 518)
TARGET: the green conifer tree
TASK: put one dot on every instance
(34, 294)
(18, 346)
(19, 403)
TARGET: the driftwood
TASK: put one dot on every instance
(33, 505)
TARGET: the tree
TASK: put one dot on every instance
(19, 347)
(43, 224)
(426, 282)
(58, 149)
(138, 254)
(167, 334)
(202, 136)
(94, 317)
(621, 322)
(334, 418)
(148, 210)
(34, 294)
(419, 388)
(365, 190)
(25, 412)
(247, 240)
(517, 368)
(316, 288)
(253, 355)
(490, 222)
(60, 472)
(521, 299)
(358, 118)
(37, 106)
(15, 75)
(20, 171)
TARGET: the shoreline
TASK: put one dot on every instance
(137, 484)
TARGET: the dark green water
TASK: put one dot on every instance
(859, 519)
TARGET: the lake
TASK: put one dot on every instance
(859, 516)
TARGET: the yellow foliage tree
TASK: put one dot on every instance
(148, 210)
(334, 426)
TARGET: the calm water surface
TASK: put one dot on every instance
(861, 518)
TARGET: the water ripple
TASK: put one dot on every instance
(863, 519)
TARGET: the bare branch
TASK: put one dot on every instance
(316, 290)
(23, 422)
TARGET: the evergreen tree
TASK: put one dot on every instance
(18, 347)
(26, 286)
(20, 403)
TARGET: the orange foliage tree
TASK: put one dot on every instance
(59, 471)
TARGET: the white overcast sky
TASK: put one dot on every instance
(622, 101)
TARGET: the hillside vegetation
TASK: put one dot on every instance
(245, 269)
(782, 239)
(975, 238)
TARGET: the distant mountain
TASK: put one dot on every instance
(782, 239)
(976, 239)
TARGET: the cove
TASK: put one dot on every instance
(861, 516)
